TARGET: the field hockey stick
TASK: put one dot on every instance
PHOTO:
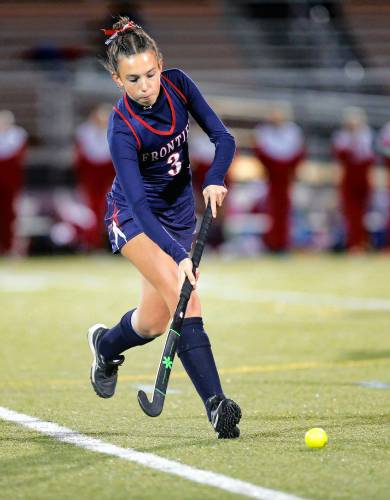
(155, 407)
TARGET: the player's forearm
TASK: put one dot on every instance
(224, 152)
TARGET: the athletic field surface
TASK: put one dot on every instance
(300, 341)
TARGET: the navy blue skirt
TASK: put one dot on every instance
(180, 223)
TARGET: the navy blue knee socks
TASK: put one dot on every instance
(194, 351)
(121, 337)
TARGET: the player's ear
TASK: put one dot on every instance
(160, 63)
(117, 81)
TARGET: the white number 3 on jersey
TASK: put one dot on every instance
(176, 164)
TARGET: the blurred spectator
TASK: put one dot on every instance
(94, 170)
(384, 150)
(384, 143)
(13, 142)
(279, 145)
(246, 218)
(353, 147)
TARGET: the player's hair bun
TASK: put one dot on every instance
(125, 39)
(122, 22)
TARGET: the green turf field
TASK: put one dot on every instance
(294, 338)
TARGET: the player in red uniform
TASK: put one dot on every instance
(383, 144)
(151, 218)
(279, 145)
(94, 169)
(13, 142)
(353, 147)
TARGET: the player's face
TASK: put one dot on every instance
(139, 75)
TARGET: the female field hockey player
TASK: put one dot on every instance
(151, 216)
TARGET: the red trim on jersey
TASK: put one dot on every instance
(149, 127)
(176, 88)
(129, 125)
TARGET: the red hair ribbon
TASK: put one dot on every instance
(114, 33)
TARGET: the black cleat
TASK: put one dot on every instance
(104, 372)
(224, 415)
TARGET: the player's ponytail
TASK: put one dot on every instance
(126, 39)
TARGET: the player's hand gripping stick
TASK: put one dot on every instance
(155, 407)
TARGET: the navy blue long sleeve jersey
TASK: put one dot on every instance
(149, 149)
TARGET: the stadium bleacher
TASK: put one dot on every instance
(242, 54)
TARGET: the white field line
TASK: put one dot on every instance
(34, 282)
(304, 298)
(145, 459)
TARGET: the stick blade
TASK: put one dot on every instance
(154, 408)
